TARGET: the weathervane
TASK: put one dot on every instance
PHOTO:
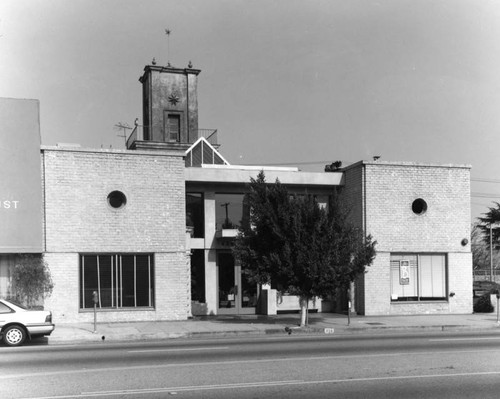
(167, 32)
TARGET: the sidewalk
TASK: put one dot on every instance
(230, 326)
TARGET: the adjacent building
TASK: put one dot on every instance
(149, 229)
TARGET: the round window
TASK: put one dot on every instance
(419, 206)
(117, 199)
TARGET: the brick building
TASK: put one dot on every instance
(420, 216)
(149, 228)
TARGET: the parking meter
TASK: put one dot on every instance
(498, 304)
(94, 298)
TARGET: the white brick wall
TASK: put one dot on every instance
(387, 191)
(390, 192)
(78, 219)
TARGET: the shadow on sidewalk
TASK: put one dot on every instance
(280, 319)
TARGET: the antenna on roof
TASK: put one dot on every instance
(167, 32)
(123, 127)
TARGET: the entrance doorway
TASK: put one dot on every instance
(236, 294)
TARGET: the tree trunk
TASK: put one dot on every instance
(352, 296)
(304, 303)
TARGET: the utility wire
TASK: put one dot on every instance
(485, 180)
(485, 195)
(327, 162)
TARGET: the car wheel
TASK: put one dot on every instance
(14, 335)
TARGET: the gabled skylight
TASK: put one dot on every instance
(202, 152)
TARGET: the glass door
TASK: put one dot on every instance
(236, 294)
(227, 283)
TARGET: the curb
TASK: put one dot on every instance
(295, 330)
(96, 338)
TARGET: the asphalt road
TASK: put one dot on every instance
(382, 366)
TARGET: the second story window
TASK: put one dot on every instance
(230, 210)
(195, 215)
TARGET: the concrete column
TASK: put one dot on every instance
(267, 301)
(210, 254)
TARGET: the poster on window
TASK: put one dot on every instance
(404, 272)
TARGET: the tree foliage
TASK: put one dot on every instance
(480, 252)
(32, 279)
(480, 246)
(491, 218)
(298, 246)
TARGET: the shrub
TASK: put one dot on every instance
(483, 304)
(32, 279)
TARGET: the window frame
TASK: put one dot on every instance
(116, 287)
(416, 268)
(10, 310)
(238, 212)
(167, 117)
(195, 213)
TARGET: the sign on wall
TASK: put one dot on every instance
(404, 272)
(20, 177)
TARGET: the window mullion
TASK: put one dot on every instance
(98, 282)
(121, 282)
(419, 277)
(149, 279)
(117, 274)
(112, 283)
(83, 281)
(135, 281)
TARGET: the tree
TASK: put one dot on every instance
(298, 246)
(480, 246)
(491, 218)
(490, 230)
(480, 251)
(32, 279)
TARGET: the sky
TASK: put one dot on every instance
(285, 82)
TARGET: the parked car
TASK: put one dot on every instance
(485, 287)
(482, 291)
(18, 323)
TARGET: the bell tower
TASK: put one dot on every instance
(170, 107)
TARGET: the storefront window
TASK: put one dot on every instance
(120, 281)
(417, 277)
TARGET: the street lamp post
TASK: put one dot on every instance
(491, 253)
